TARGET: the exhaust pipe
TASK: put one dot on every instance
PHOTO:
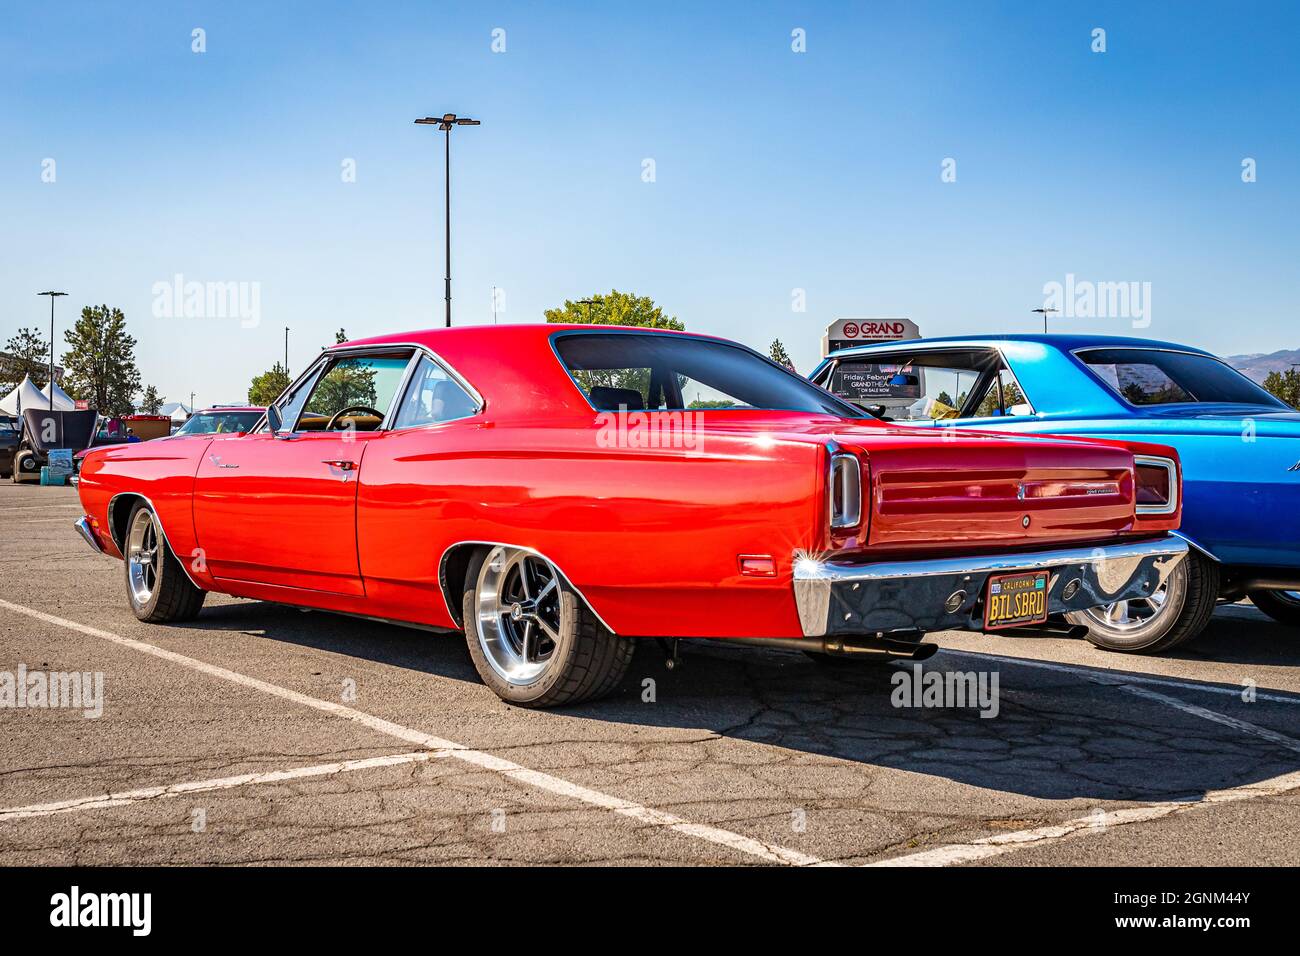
(857, 645)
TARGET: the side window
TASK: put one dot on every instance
(433, 396)
(291, 405)
(354, 393)
(930, 386)
(1002, 398)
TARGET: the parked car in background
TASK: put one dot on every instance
(9, 437)
(1239, 446)
(554, 490)
(44, 431)
(222, 420)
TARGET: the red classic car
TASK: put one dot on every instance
(555, 490)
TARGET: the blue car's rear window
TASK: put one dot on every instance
(1157, 377)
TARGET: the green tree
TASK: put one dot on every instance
(99, 365)
(349, 382)
(779, 355)
(1284, 385)
(151, 401)
(29, 354)
(268, 386)
(616, 308)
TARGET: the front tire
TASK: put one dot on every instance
(156, 585)
(533, 639)
(1177, 612)
(1281, 606)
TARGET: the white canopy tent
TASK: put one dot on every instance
(26, 395)
(176, 410)
(63, 402)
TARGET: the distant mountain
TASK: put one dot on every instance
(1258, 366)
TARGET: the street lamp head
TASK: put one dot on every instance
(447, 121)
(51, 293)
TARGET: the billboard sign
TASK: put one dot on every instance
(846, 333)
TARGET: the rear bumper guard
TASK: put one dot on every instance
(82, 525)
(947, 594)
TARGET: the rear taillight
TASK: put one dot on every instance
(845, 491)
(1156, 485)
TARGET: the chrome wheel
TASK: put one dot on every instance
(1128, 616)
(519, 612)
(1140, 623)
(143, 556)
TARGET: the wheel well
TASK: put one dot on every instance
(455, 565)
(451, 575)
(119, 512)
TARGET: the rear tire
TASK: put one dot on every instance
(1149, 627)
(533, 639)
(157, 587)
(1281, 606)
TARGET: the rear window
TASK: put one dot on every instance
(1154, 377)
(633, 370)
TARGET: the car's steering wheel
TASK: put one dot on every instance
(343, 413)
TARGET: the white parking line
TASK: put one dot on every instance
(1043, 836)
(1095, 822)
(1245, 726)
(1103, 675)
(767, 852)
(127, 797)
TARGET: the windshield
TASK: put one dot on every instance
(1155, 377)
(632, 370)
(207, 423)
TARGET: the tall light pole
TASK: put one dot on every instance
(53, 296)
(286, 350)
(445, 123)
(589, 303)
(1044, 313)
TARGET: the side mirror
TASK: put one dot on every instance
(273, 419)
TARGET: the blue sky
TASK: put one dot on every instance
(774, 170)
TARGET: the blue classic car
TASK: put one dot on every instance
(1240, 450)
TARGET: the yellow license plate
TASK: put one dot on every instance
(1014, 600)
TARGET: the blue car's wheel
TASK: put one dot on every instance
(1281, 606)
(1176, 612)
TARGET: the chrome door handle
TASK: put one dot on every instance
(340, 464)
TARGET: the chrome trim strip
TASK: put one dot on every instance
(1168, 465)
(1027, 561)
(442, 563)
(157, 517)
(83, 528)
(854, 518)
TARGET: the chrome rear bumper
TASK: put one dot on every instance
(82, 525)
(947, 594)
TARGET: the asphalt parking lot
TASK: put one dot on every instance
(263, 734)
